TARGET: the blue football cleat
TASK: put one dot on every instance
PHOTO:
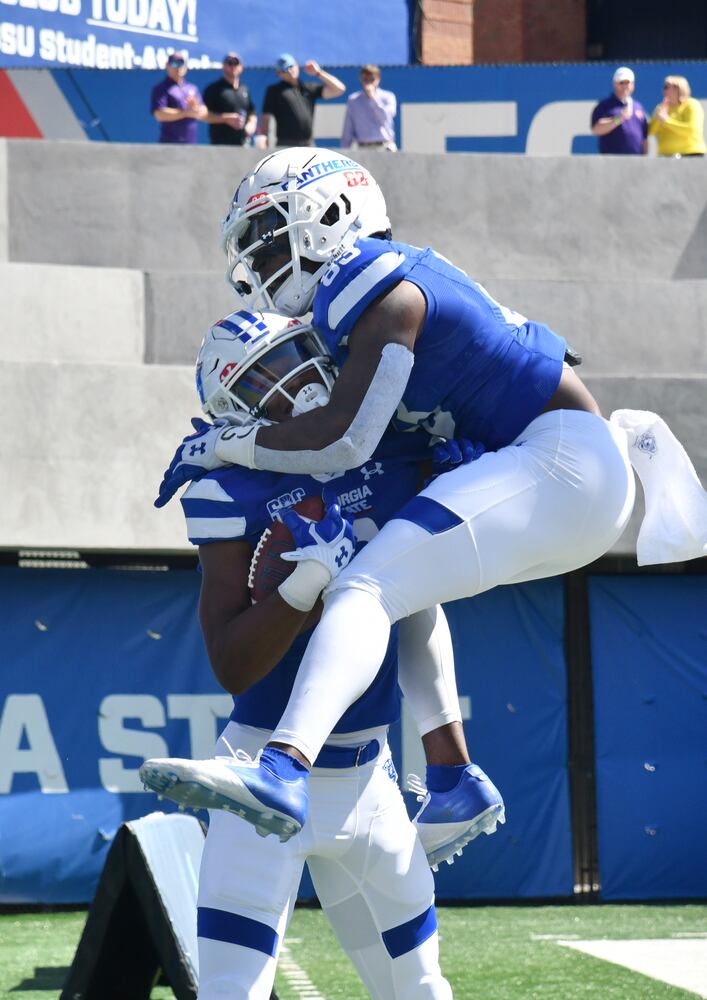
(447, 821)
(238, 785)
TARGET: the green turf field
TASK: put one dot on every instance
(488, 953)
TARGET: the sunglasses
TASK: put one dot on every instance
(175, 62)
(231, 62)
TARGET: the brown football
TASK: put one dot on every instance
(267, 569)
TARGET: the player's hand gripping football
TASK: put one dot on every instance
(213, 445)
(324, 548)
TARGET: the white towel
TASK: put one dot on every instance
(674, 527)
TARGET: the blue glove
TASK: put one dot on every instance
(330, 542)
(453, 452)
(193, 459)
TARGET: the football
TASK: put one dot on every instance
(267, 569)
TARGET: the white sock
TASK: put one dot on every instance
(340, 662)
(426, 670)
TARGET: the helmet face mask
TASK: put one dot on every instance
(296, 211)
(262, 365)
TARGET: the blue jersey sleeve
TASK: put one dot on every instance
(350, 284)
(228, 504)
(213, 511)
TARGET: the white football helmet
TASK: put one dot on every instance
(303, 203)
(262, 365)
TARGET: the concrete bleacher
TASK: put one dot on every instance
(111, 270)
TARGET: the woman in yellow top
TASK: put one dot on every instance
(678, 121)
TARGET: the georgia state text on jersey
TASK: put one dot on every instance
(481, 371)
(234, 503)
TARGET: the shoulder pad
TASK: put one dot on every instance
(353, 281)
(212, 510)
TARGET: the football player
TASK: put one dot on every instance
(369, 869)
(418, 342)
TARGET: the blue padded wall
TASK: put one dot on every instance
(73, 638)
(649, 653)
(510, 660)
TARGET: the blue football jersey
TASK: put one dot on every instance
(481, 371)
(234, 503)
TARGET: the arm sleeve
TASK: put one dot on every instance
(209, 97)
(158, 100)
(654, 125)
(693, 120)
(359, 441)
(268, 102)
(426, 670)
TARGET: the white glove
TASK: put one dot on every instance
(324, 548)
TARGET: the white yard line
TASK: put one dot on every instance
(296, 977)
(678, 962)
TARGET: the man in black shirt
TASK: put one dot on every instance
(232, 118)
(291, 103)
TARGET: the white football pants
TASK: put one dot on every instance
(368, 868)
(556, 499)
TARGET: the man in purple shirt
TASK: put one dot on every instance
(176, 104)
(618, 121)
(370, 113)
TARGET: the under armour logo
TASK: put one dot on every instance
(375, 470)
(647, 442)
(343, 557)
(198, 449)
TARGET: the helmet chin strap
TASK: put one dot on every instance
(310, 397)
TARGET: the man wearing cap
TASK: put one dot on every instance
(291, 102)
(176, 104)
(232, 118)
(618, 121)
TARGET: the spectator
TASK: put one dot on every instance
(678, 121)
(177, 105)
(618, 121)
(232, 118)
(370, 113)
(291, 103)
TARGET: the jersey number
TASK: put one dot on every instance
(333, 269)
(356, 178)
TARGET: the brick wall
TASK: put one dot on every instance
(459, 32)
(446, 32)
(498, 31)
(555, 31)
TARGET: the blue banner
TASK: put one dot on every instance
(136, 34)
(100, 670)
(539, 110)
(649, 655)
(103, 668)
